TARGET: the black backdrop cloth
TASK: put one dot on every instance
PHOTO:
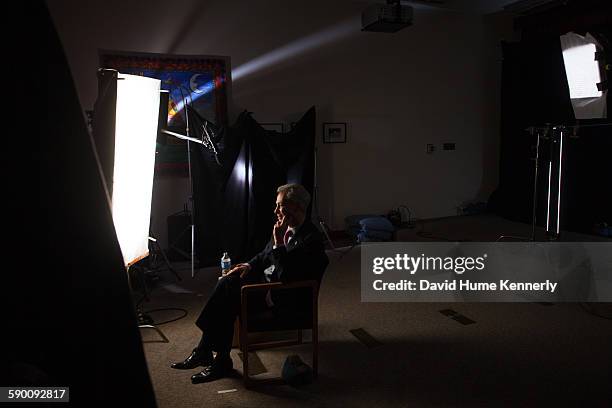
(535, 92)
(234, 202)
(72, 321)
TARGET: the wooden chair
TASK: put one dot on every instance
(306, 318)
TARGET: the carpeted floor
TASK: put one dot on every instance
(512, 355)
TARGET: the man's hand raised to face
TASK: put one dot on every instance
(280, 227)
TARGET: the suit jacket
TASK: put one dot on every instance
(303, 258)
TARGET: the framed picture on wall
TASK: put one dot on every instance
(334, 132)
(276, 127)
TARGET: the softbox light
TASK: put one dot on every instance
(583, 75)
(125, 130)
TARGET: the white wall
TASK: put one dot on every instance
(434, 82)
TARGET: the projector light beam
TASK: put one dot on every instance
(301, 46)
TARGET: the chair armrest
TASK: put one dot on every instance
(279, 285)
(259, 286)
(244, 290)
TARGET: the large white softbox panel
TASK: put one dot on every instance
(583, 75)
(135, 137)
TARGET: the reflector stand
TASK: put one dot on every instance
(540, 132)
(144, 321)
(192, 226)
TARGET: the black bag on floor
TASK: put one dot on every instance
(296, 372)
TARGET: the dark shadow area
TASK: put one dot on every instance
(451, 372)
(76, 325)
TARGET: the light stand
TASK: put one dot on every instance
(208, 144)
(545, 135)
(159, 249)
(206, 141)
(189, 139)
(191, 209)
(555, 136)
(553, 206)
(144, 320)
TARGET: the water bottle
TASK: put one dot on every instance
(226, 262)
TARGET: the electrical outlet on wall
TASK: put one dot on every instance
(430, 148)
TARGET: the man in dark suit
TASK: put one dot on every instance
(295, 252)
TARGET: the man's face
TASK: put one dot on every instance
(285, 208)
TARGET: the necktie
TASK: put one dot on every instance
(287, 237)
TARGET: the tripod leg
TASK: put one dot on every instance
(348, 250)
(143, 281)
(166, 261)
(173, 245)
(162, 335)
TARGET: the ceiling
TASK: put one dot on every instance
(473, 6)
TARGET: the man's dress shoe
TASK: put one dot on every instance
(196, 359)
(221, 367)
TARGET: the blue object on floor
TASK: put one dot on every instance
(375, 229)
(296, 372)
(369, 228)
(352, 223)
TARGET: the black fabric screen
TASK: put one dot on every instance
(234, 201)
(75, 319)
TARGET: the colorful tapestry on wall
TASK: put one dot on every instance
(200, 81)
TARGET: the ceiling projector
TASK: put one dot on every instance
(386, 18)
